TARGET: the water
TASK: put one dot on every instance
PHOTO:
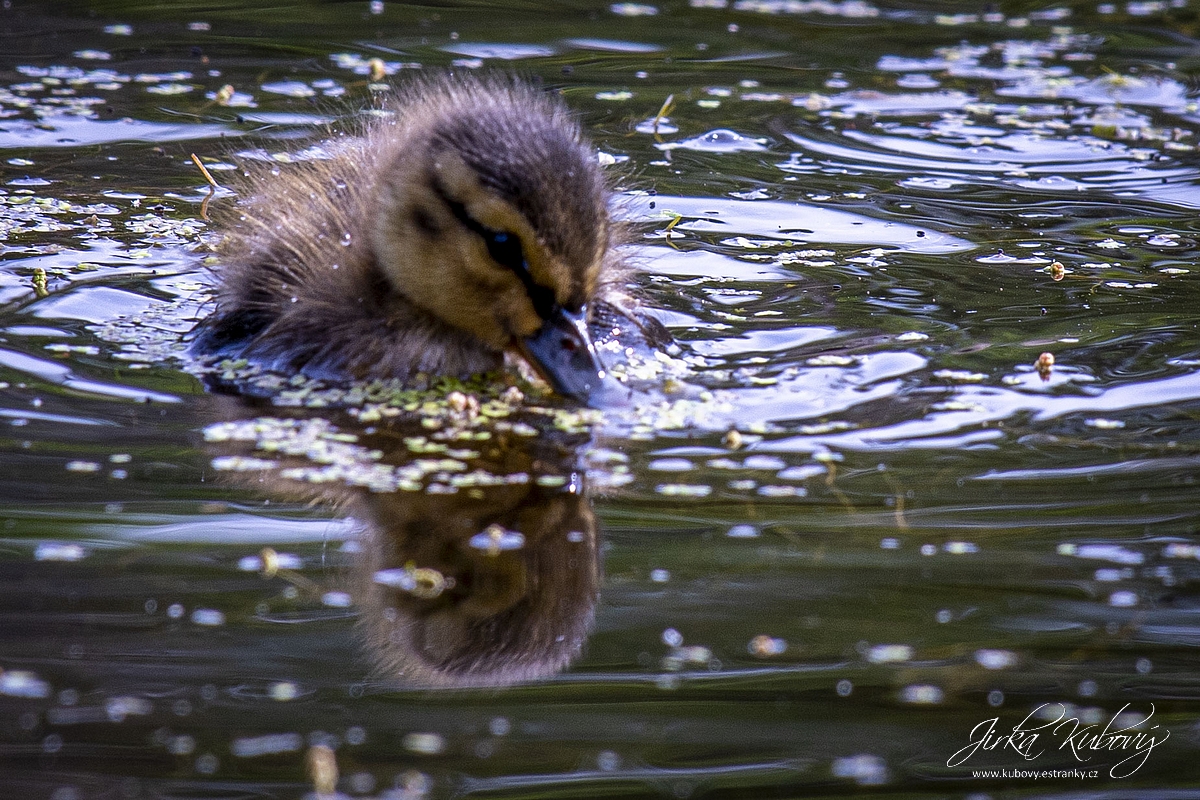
(863, 223)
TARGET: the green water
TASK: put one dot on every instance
(886, 213)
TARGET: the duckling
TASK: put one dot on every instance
(470, 220)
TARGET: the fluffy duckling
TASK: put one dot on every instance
(470, 220)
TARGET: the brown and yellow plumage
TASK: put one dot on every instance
(470, 219)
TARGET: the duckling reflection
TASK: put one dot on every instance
(489, 585)
(485, 592)
(470, 222)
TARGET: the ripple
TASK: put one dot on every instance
(227, 529)
(504, 52)
(614, 46)
(799, 222)
(71, 131)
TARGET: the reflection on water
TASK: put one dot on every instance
(503, 589)
(844, 523)
(482, 572)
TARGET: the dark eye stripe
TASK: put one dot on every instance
(505, 249)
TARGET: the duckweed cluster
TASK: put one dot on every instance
(335, 456)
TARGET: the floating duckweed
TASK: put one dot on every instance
(959, 375)
(764, 462)
(800, 473)
(608, 761)
(39, 282)
(782, 491)
(56, 551)
(1123, 599)
(269, 744)
(958, 405)
(912, 336)
(667, 682)
(82, 466)
(182, 745)
(398, 578)
(960, 548)
(865, 770)
(496, 539)
(20, 683)
(269, 562)
(209, 617)
(995, 659)
(670, 465)
(322, 769)
(764, 646)
(683, 490)
(551, 480)
(477, 478)
(463, 403)
(283, 691)
(118, 708)
(241, 463)
(830, 361)
(422, 582)
(337, 600)
(692, 654)
(427, 744)
(1044, 365)
(1181, 550)
(922, 694)
(889, 653)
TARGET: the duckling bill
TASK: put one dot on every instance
(470, 221)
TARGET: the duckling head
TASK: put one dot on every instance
(492, 216)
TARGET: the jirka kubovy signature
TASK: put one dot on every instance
(1082, 740)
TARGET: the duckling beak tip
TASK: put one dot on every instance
(562, 352)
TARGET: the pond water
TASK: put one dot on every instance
(855, 516)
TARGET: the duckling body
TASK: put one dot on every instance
(470, 220)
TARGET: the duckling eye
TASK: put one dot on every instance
(505, 249)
